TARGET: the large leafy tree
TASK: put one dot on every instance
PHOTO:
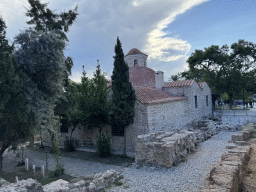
(225, 70)
(40, 55)
(123, 97)
(14, 124)
(45, 19)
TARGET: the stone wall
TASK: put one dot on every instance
(166, 148)
(239, 119)
(167, 116)
(228, 174)
(93, 183)
(142, 59)
(202, 110)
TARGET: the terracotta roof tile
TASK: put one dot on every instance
(201, 84)
(141, 76)
(134, 51)
(179, 83)
(151, 95)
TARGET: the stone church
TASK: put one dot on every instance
(160, 106)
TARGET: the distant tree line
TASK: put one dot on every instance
(226, 71)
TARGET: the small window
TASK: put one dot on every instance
(135, 62)
(116, 131)
(207, 100)
(195, 101)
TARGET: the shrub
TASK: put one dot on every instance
(103, 145)
(59, 170)
(69, 145)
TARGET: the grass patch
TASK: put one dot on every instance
(118, 183)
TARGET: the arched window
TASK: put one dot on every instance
(135, 62)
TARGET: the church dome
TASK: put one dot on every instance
(134, 51)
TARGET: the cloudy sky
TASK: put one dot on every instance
(168, 31)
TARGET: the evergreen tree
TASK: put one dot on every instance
(123, 98)
(14, 124)
(8, 78)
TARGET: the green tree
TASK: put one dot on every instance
(45, 19)
(93, 107)
(176, 77)
(123, 97)
(14, 124)
(8, 78)
(40, 55)
(225, 70)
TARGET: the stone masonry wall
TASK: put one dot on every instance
(165, 148)
(192, 113)
(167, 116)
(228, 174)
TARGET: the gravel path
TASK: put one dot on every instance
(187, 176)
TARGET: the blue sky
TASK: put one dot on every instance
(168, 31)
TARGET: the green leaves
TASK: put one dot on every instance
(123, 98)
(224, 70)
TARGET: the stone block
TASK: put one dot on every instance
(241, 143)
(230, 146)
(236, 137)
(29, 185)
(57, 186)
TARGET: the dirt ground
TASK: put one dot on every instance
(90, 156)
(12, 170)
(249, 182)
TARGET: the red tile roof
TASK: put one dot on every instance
(201, 84)
(179, 83)
(151, 95)
(134, 51)
(141, 76)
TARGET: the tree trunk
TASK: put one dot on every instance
(243, 99)
(124, 151)
(4, 147)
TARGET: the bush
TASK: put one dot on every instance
(59, 170)
(103, 145)
(69, 145)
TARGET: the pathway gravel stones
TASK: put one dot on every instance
(187, 176)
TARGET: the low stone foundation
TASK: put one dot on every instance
(229, 173)
(166, 148)
(93, 183)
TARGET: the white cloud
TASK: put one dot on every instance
(138, 23)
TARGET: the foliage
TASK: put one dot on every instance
(14, 124)
(123, 97)
(103, 145)
(45, 20)
(175, 77)
(8, 78)
(223, 70)
(93, 107)
(40, 55)
(59, 170)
